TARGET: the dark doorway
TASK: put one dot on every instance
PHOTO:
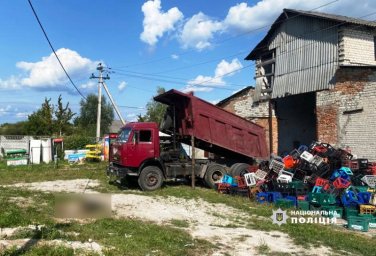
(296, 121)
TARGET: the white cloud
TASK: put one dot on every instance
(192, 88)
(48, 74)
(214, 102)
(122, 86)
(11, 83)
(22, 114)
(198, 31)
(157, 22)
(227, 68)
(132, 117)
(90, 85)
(208, 83)
(233, 92)
(5, 110)
(175, 56)
(243, 17)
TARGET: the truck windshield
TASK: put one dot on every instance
(124, 134)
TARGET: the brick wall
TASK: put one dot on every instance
(356, 46)
(346, 114)
(242, 105)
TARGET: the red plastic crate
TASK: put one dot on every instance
(321, 182)
(341, 183)
(241, 182)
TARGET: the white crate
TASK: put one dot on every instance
(276, 166)
(307, 156)
(260, 174)
(285, 176)
(250, 179)
(317, 160)
(370, 180)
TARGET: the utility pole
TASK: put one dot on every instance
(100, 82)
(113, 103)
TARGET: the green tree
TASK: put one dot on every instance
(41, 122)
(63, 117)
(154, 110)
(87, 119)
(19, 128)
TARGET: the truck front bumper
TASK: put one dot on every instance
(119, 172)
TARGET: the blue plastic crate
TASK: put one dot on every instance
(273, 196)
(262, 197)
(227, 179)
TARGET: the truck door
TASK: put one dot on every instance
(141, 147)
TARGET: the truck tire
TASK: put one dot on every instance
(213, 174)
(151, 178)
(232, 168)
(239, 169)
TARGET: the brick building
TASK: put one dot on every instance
(241, 103)
(319, 73)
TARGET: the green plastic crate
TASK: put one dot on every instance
(358, 223)
(284, 203)
(361, 188)
(297, 184)
(350, 211)
(371, 218)
(314, 207)
(303, 205)
(321, 198)
(333, 211)
(372, 223)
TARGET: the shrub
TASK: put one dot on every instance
(77, 141)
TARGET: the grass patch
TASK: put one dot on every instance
(47, 172)
(262, 248)
(13, 214)
(306, 235)
(43, 250)
(180, 223)
(129, 237)
(65, 171)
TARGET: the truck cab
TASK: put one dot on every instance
(136, 146)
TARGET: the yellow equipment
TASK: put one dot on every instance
(95, 151)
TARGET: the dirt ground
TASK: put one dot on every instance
(220, 224)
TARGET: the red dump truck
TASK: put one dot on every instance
(233, 143)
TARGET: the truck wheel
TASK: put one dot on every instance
(232, 168)
(151, 178)
(239, 169)
(214, 174)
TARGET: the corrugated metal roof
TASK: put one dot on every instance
(334, 17)
(291, 14)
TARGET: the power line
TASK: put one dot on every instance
(150, 76)
(53, 49)
(295, 49)
(268, 25)
(230, 38)
(181, 83)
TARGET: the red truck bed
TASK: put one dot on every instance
(215, 129)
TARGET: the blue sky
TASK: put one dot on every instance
(185, 45)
